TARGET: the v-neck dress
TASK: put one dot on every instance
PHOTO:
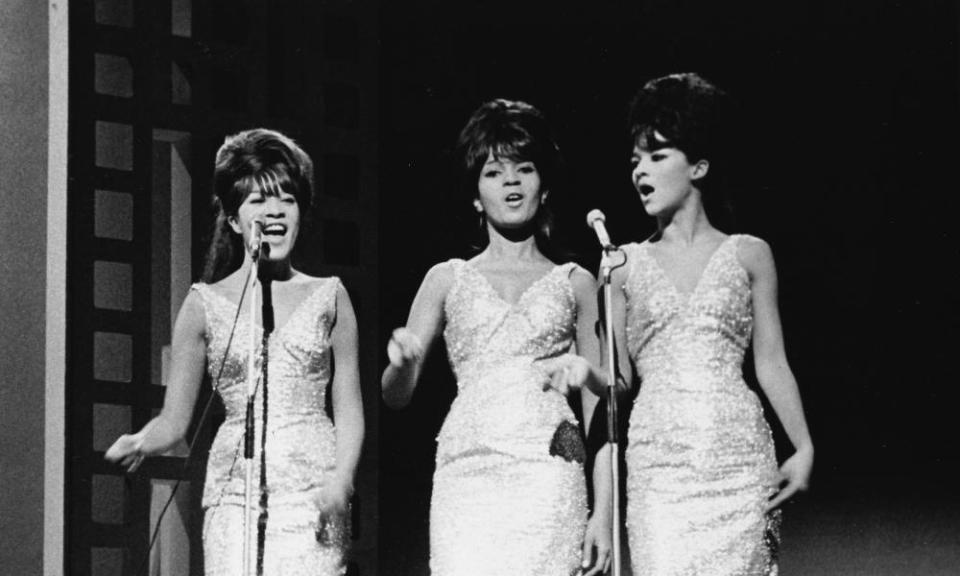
(509, 492)
(300, 438)
(700, 456)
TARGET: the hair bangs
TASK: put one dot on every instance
(270, 181)
(649, 137)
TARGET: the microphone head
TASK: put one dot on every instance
(594, 216)
(256, 238)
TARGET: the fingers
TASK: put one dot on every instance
(566, 372)
(587, 563)
(122, 449)
(137, 460)
(125, 452)
(404, 347)
(597, 563)
(785, 493)
(322, 533)
(560, 381)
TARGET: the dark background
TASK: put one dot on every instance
(845, 165)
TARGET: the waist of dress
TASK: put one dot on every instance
(283, 426)
(525, 368)
(502, 407)
(299, 452)
(696, 373)
(276, 412)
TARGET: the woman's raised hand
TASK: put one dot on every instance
(794, 475)
(404, 348)
(567, 372)
(126, 451)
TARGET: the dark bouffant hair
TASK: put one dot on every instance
(515, 131)
(254, 161)
(694, 116)
(687, 110)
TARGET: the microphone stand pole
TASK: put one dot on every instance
(606, 268)
(248, 437)
(266, 284)
(249, 434)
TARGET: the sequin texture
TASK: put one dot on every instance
(502, 504)
(300, 445)
(700, 456)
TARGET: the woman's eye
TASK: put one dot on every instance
(491, 173)
(526, 169)
(658, 157)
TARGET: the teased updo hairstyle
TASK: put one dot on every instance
(258, 161)
(693, 116)
(516, 131)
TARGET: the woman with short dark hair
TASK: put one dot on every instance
(703, 486)
(509, 491)
(263, 185)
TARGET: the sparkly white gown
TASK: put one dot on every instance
(300, 446)
(509, 492)
(700, 458)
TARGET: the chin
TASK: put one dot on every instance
(278, 254)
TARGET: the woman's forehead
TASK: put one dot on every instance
(505, 153)
(269, 184)
(650, 140)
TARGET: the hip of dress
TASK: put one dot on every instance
(300, 457)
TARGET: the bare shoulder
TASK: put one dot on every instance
(192, 318)
(582, 281)
(440, 276)
(437, 282)
(624, 262)
(193, 302)
(755, 255)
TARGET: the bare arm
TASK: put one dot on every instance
(587, 341)
(598, 542)
(409, 346)
(188, 358)
(618, 305)
(773, 371)
(598, 536)
(347, 401)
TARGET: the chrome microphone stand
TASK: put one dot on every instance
(606, 268)
(249, 545)
(248, 439)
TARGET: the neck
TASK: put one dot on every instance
(516, 244)
(687, 223)
(276, 270)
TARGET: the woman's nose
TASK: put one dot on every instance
(273, 206)
(639, 169)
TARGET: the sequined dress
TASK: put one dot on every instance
(509, 493)
(300, 445)
(700, 456)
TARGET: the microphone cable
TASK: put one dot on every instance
(196, 433)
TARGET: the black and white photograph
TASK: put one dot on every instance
(463, 288)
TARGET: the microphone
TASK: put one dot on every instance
(256, 239)
(595, 220)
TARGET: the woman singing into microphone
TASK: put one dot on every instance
(264, 179)
(509, 491)
(703, 486)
